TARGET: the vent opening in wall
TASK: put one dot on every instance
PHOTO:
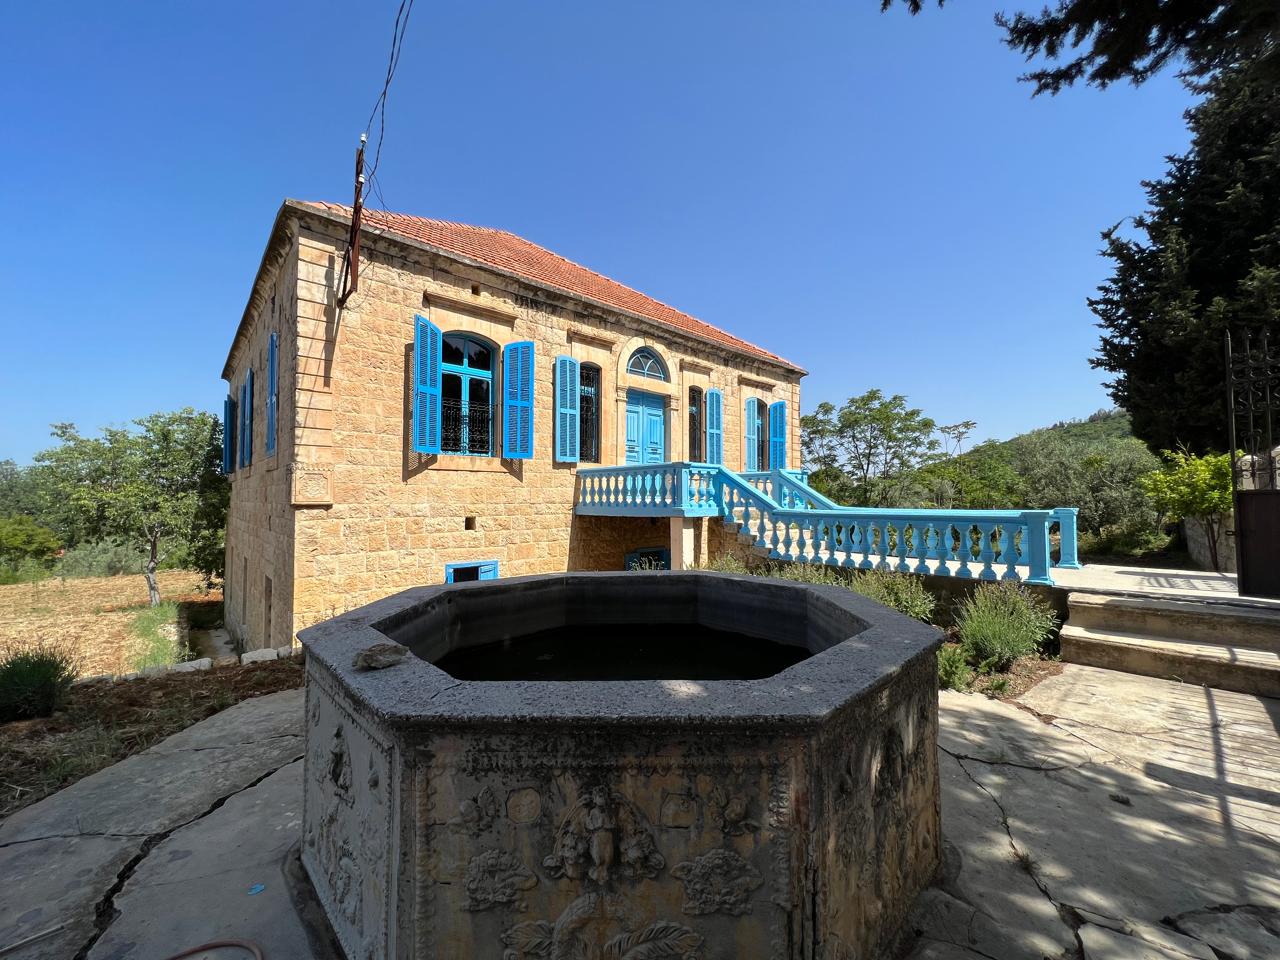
(475, 289)
(469, 523)
(464, 572)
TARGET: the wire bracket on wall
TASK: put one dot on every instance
(351, 261)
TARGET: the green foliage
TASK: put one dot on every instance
(21, 538)
(158, 488)
(727, 563)
(156, 627)
(1110, 42)
(1202, 259)
(954, 672)
(901, 591)
(100, 558)
(34, 681)
(864, 452)
(1191, 487)
(1000, 622)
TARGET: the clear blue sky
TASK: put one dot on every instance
(872, 196)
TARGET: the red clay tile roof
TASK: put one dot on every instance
(506, 251)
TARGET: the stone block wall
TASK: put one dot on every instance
(259, 558)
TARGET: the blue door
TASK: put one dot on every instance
(646, 427)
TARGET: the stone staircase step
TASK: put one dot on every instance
(1218, 622)
(1244, 669)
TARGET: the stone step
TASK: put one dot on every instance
(1214, 622)
(1244, 669)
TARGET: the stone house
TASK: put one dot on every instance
(435, 427)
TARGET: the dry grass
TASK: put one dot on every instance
(94, 615)
(107, 721)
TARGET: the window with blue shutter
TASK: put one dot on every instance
(715, 426)
(751, 428)
(568, 392)
(517, 400)
(778, 435)
(246, 438)
(273, 395)
(426, 386)
(228, 435)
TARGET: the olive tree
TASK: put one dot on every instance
(156, 484)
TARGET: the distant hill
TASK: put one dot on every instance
(1097, 428)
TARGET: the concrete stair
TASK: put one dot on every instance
(1219, 643)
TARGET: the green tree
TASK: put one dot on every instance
(1134, 41)
(21, 538)
(866, 451)
(1192, 487)
(1207, 258)
(158, 487)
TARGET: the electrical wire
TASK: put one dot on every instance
(380, 105)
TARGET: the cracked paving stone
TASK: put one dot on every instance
(1235, 932)
(1100, 943)
(999, 733)
(51, 889)
(221, 876)
(1028, 926)
(1157, 934)
(176, 782)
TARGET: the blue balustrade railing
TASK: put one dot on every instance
(783, 515)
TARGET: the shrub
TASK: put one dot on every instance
(34, 680)
(103, 558)
(954, 672)
(902, 592)
(1001, 622)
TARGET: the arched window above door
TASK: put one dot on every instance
(645, 362)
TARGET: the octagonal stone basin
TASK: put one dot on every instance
(790, 816)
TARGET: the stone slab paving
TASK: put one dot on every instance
(1104, 817)
(63, 859)
(1157, 582)
(1108, 816)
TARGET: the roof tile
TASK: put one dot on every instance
(506, 251)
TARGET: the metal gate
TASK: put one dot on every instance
(1253, 402)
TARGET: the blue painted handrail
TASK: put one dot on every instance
(782, 514)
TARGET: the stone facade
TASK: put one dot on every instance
(345, 512)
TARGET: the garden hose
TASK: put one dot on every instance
(247, 945)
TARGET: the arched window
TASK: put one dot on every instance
(466, 395)
(697, 425)
(589, 413)
(646, 363)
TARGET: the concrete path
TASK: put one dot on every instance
(1075, 823)
(1202, 585)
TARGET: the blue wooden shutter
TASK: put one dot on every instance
(240, 428)
(426, 386)
(517, 404)
(489, 571)
(568, 390)
(778, 435)
(715, 426)
(272, 395)
(228, 434)
(247, 441)
(752, 426)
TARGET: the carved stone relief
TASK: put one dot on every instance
(717, 881)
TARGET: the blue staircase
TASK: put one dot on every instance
(784, 518)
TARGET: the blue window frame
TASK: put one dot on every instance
(466, 395)
(273, 393)
(646, 363)
(475, 570)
